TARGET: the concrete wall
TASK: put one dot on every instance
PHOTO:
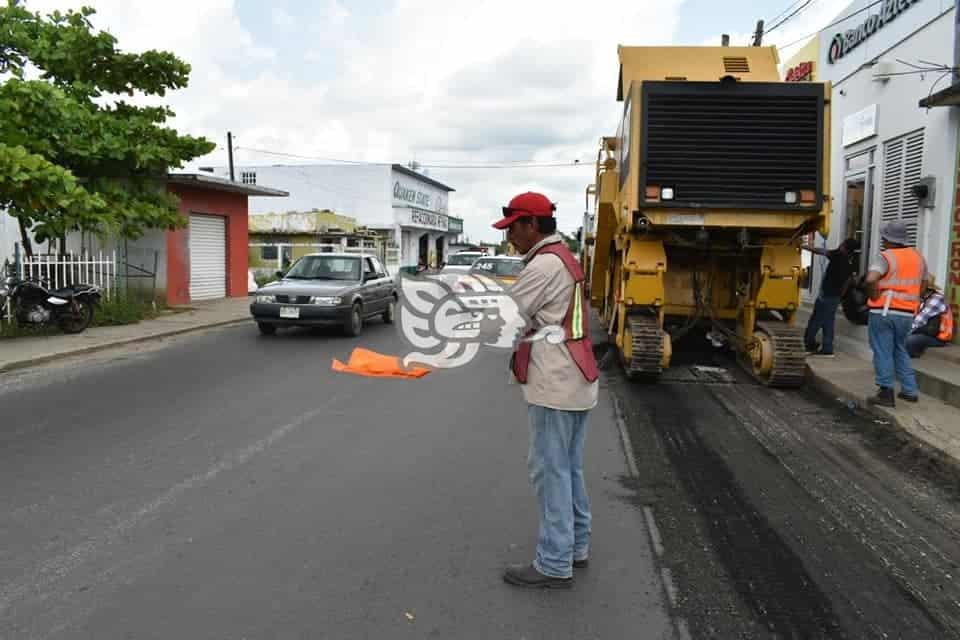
(9, 234)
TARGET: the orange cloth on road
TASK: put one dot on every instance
(364, 362)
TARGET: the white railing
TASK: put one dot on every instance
(58, 271)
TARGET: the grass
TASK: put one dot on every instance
(262, 279)
(121, 309)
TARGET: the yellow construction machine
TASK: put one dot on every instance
(716, 171)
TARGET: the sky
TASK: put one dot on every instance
(439, 82)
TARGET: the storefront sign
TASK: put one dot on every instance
(410, 193)
(844, 43)
(803, 72)
(860, 125)
(420, 218)
(952, 288)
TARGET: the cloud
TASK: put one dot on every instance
(281, 18)
(432, 80)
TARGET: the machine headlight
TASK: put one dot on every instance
(790, 197)
(327, 301)
(666, 193)
(266, 299)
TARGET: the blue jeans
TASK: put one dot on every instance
(917, 343)
(888, 339)
(824, 316)
(555, 464)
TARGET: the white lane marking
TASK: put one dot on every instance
(58, 567)
(624, 437)
(668, 583)
(682, 630)
(654, 531)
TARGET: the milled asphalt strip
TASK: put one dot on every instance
(22, 364)
(666, 574)
(59, 567)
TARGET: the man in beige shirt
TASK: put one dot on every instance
(560, 385)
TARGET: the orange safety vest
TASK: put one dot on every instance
(946, 325)
(899, 289)
(576, 325)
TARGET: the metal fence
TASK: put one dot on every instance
(58, 271)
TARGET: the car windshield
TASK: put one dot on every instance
(325, 268)
(498, 267)
(461, 259)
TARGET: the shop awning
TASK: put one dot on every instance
(949, 97)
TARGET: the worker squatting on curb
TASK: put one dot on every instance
(559, 382)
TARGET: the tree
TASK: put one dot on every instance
(573, 243)
(83, 159)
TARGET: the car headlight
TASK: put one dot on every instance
(325, 300)
(266, 299)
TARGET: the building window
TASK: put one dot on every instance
(248, 177)
(268, 253)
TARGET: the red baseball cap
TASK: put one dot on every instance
(526, 204)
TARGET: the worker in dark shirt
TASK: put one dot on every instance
(832, 288)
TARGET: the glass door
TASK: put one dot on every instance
(857, 206)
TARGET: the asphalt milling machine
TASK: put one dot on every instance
(717, 170)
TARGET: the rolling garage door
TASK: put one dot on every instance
(208, 257)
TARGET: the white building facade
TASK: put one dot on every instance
(411, 208)
(883, 143)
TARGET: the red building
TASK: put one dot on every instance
(208, 258)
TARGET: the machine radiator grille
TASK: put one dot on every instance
(733, 144)
(736, 65)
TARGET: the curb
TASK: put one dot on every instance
(26, 364)
(824, 385)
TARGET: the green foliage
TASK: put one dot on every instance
(264, 278)
(123, 308)
(82, 161)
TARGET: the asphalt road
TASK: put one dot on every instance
(228, 485)
(783, 514)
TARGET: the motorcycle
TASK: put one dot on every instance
(71, 308)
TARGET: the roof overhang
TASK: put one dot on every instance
(399, 168)
(949, 97)
(213, 183)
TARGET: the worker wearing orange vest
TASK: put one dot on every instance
(559, 380)
(933, 324)
(894, 283)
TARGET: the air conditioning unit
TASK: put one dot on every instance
(882, 70)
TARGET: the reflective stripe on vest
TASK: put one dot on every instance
(575, 325)
(946, 325)
(900, 288)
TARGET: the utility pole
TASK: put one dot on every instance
(230, 152)
(758, 36)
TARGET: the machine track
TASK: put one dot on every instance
(646, 338)
(789, 355)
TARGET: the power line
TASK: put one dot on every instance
(789, 17)
(784, 12)
(513, 165)
(833, 24)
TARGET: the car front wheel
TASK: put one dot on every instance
(390, 313)
(354, 324)
(266, 329)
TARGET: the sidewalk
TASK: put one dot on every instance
(934, 421)
(25, 352)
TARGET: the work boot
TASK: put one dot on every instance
(528, 576)
(884, 398)
(908, 397)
